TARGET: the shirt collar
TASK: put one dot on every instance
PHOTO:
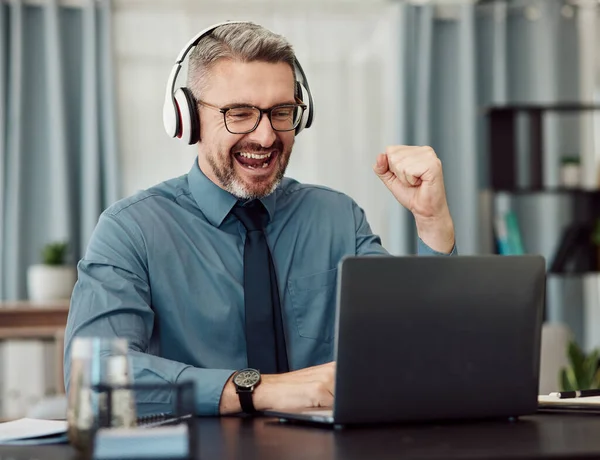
(216, 203)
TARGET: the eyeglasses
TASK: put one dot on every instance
(244, 119)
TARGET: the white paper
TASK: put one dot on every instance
(549, 400)
(28, 428)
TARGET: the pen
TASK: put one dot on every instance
(575, 394)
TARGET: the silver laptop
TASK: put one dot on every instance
(435, 338)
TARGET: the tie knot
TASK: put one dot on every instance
(254, 216)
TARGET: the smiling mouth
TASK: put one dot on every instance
(255, 160)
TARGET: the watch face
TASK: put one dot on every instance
(247, 378)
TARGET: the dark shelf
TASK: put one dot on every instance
(502, 141)
(575, 256)
(560, 107)
(550, 190)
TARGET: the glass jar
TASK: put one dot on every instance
(96, 364)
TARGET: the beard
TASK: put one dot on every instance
(223, 168)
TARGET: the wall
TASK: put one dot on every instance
(342, 49)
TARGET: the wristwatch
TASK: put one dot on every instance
(245, 382)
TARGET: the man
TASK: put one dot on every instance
(174, 268)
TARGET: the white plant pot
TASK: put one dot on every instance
(50, 282)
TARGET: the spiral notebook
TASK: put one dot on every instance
(162, 419)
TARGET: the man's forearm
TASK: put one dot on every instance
(210, 385)
(308, 387)
(438, 234)
(230, 402)
(150, 369)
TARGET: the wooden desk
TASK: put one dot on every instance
(534, 437)
(47, 321)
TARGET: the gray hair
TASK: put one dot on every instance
(244, 42)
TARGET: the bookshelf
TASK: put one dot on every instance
(575, 248)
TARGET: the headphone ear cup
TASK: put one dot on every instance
(189, 121)
(303, 94)
(171, 118)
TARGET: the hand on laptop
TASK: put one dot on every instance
(304, 388)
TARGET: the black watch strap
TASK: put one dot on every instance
(246, 401)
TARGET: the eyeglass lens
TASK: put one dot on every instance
(245, 119)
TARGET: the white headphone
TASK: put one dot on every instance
(180, 114)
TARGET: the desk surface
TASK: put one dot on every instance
(536, 437)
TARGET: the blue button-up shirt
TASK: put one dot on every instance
(164, 269)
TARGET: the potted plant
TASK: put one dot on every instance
(570, 171)
(53, 279)
(583, 372)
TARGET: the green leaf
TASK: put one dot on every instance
(567, 380)
(564, 381)
(577, 360)
(583, 372)
(55, 253)
(597, 380)
(590, 368)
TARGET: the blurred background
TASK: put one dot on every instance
(507, 92)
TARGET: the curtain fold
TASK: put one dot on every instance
(439, 96)
(499, 45)
(58, 198)
(3, 118)
(398, 125)
(464, 196)
(13, 263)
(422, 82)
(111, 187)
(58, 141)
(90, 162)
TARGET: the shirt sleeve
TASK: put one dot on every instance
(112, 298)
(367, 243)
(424, 250)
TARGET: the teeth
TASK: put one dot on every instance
(256, 156)
(265, 165)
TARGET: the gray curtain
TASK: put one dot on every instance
(438, 108)
(459, 59)
(58, 141)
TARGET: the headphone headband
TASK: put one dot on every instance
(176, 117)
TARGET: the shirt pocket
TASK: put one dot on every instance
(313, 303)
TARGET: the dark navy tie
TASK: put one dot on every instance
(265, 340)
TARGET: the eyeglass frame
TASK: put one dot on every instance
(299, 104)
